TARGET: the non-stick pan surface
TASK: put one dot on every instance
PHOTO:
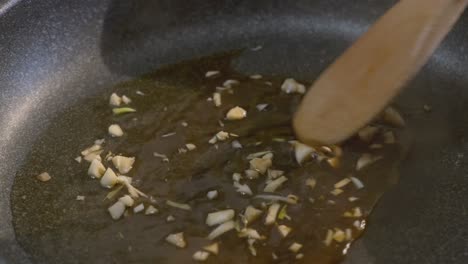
(55, 54)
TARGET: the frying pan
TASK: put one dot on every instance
(58, 54)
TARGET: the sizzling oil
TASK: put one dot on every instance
(55, 228)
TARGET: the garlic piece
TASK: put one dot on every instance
(302, 151)
(292, 86)
(115, 100)
(139, 208)
(221, 229)
(272, 214)
(109, 179)
(177, 240)
(127, 200)
(295, 247)
(219, 217)
(213, 248)
(251, 214)
(150, 210)
(126, 100)
(242, 188)
(190, 146)
(212, 194)
(222, 136)
(275, 184)
(393, 117)
(260, 164)
(366, 160)
(116, 210)
(115, 130)
(217, 99)
(123, 164)
(284, 230)
(44, 177)
(236, 113)
(96, 169)
(200, 255)
(209, 74)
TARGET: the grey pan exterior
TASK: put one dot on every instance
(56, 53)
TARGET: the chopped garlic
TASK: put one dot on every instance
(273, 174)
(219, 217)
(212, 248)
(284, 230)
(295, 247)
(221, 135)
(329, 238)
(366, 160)
(236, 113)
(150, 210)
(116, 210)
(221, 229)
(126, 100)
(302, 151)
(349, 234)
(292, 86)
(93, 148)
(200, 255)
(115, 130)
(250, 233)
(93, 155)
(179, 205)
(339, 235)
(127, 200)
(258, 154)
(209, 74)
(213, 140)
(80, 198)
(177, 240)
(353, 199)
(139, 208)
(393, 117)
(311, 182)
(212, 194)
(236, 176)
(242, 188)
(256, 77)
(251, 174)
(115, 100)
(109, 179)
(342, 183)
(357, 212)
(230, 83)
(78, 159)
(236, 144)
(260, 164)
(162, 156)
(334, 162)
(217, 99)
(337, 192)
(44, 177)
(96, 169)
(299, 256)
(358, 183)
(170, 218)
(272, 214)
(275, 184)
(123, 164)
(261, 107)
(251, 214)
(190, 146)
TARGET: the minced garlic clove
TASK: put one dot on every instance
(272, 214)
(222, 136)
(251, 174)
(212, 248)
(302, 151)
(366, 160)
(217, 99)
(212, 194)
(392, 117)
(190, 146)
(284, 230)
(339, 235)
(127, 200)
(260, 164)
(219, 217)
(116, 210)
(123, 164)
(139, 208)
(243, 188)
(177, 240)
(115, 130)
(109, 179)
(96, 169)
(292, 86)
(221, 229)
(295, 247)
(251, 214)
(200, 255)
(44, 177)
(151, 210)
(126, 100)
(209, 74)
(230, 83)
(115, 100)
(275, 184)
(236, 113)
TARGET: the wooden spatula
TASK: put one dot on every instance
(362, 81)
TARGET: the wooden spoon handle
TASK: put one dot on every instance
(363, 80)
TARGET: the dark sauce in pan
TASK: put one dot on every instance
(54, 227)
